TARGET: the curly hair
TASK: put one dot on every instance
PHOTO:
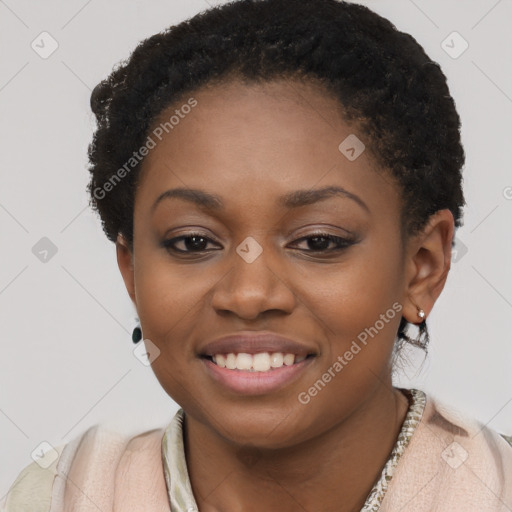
(384, 81)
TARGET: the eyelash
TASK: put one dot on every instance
(342, 243)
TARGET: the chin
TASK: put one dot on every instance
(263, 428)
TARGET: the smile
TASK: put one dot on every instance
(260, 362)
(256, 374)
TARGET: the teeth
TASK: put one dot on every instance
(289, 359)
(276, 360)
(261, 362)
(230, 361)
(243, 361)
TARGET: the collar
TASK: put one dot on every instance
(181, 497)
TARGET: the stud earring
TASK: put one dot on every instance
(420, 312)
(136, 334)
(422, 340)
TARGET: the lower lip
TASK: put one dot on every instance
(255, 383)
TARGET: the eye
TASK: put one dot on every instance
(191, 243)
(198, 243)
(319, 242)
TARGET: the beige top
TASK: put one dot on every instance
(441, 462)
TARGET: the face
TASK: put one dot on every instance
(280, 249)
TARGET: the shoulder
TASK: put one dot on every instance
(468, 464)
(32, 489)
(466, 441)
(452, 462)
(97, 448)
(456, 425)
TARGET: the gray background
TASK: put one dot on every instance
(67, 360)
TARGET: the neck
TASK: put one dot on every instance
(334, 471)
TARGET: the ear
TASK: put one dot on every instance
(429, 256)
(125, 263)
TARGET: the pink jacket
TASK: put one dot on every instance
(451, 464)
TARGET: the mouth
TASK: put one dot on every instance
(255, 374)
(259, 362)
(256, 363)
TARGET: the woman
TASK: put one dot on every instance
(282, 180)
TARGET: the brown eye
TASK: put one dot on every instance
(192, 243)
(321, 242)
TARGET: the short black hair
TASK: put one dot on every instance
(387, 86)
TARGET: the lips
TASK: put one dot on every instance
(254, 383)
(250, 342)
(236, 361)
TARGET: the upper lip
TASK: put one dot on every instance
(250, 342)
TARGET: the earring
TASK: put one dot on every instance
(421, 312)
(137, 334)
(423, 338)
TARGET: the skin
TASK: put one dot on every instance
(250, 144)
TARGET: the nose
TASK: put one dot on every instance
(250, 288)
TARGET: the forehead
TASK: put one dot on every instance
(258, 140)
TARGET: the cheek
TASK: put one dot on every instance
(165, 291)
(357, 306)
(168, 303)
(358, 311)
(166, 299)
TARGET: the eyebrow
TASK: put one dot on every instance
(295, 199)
